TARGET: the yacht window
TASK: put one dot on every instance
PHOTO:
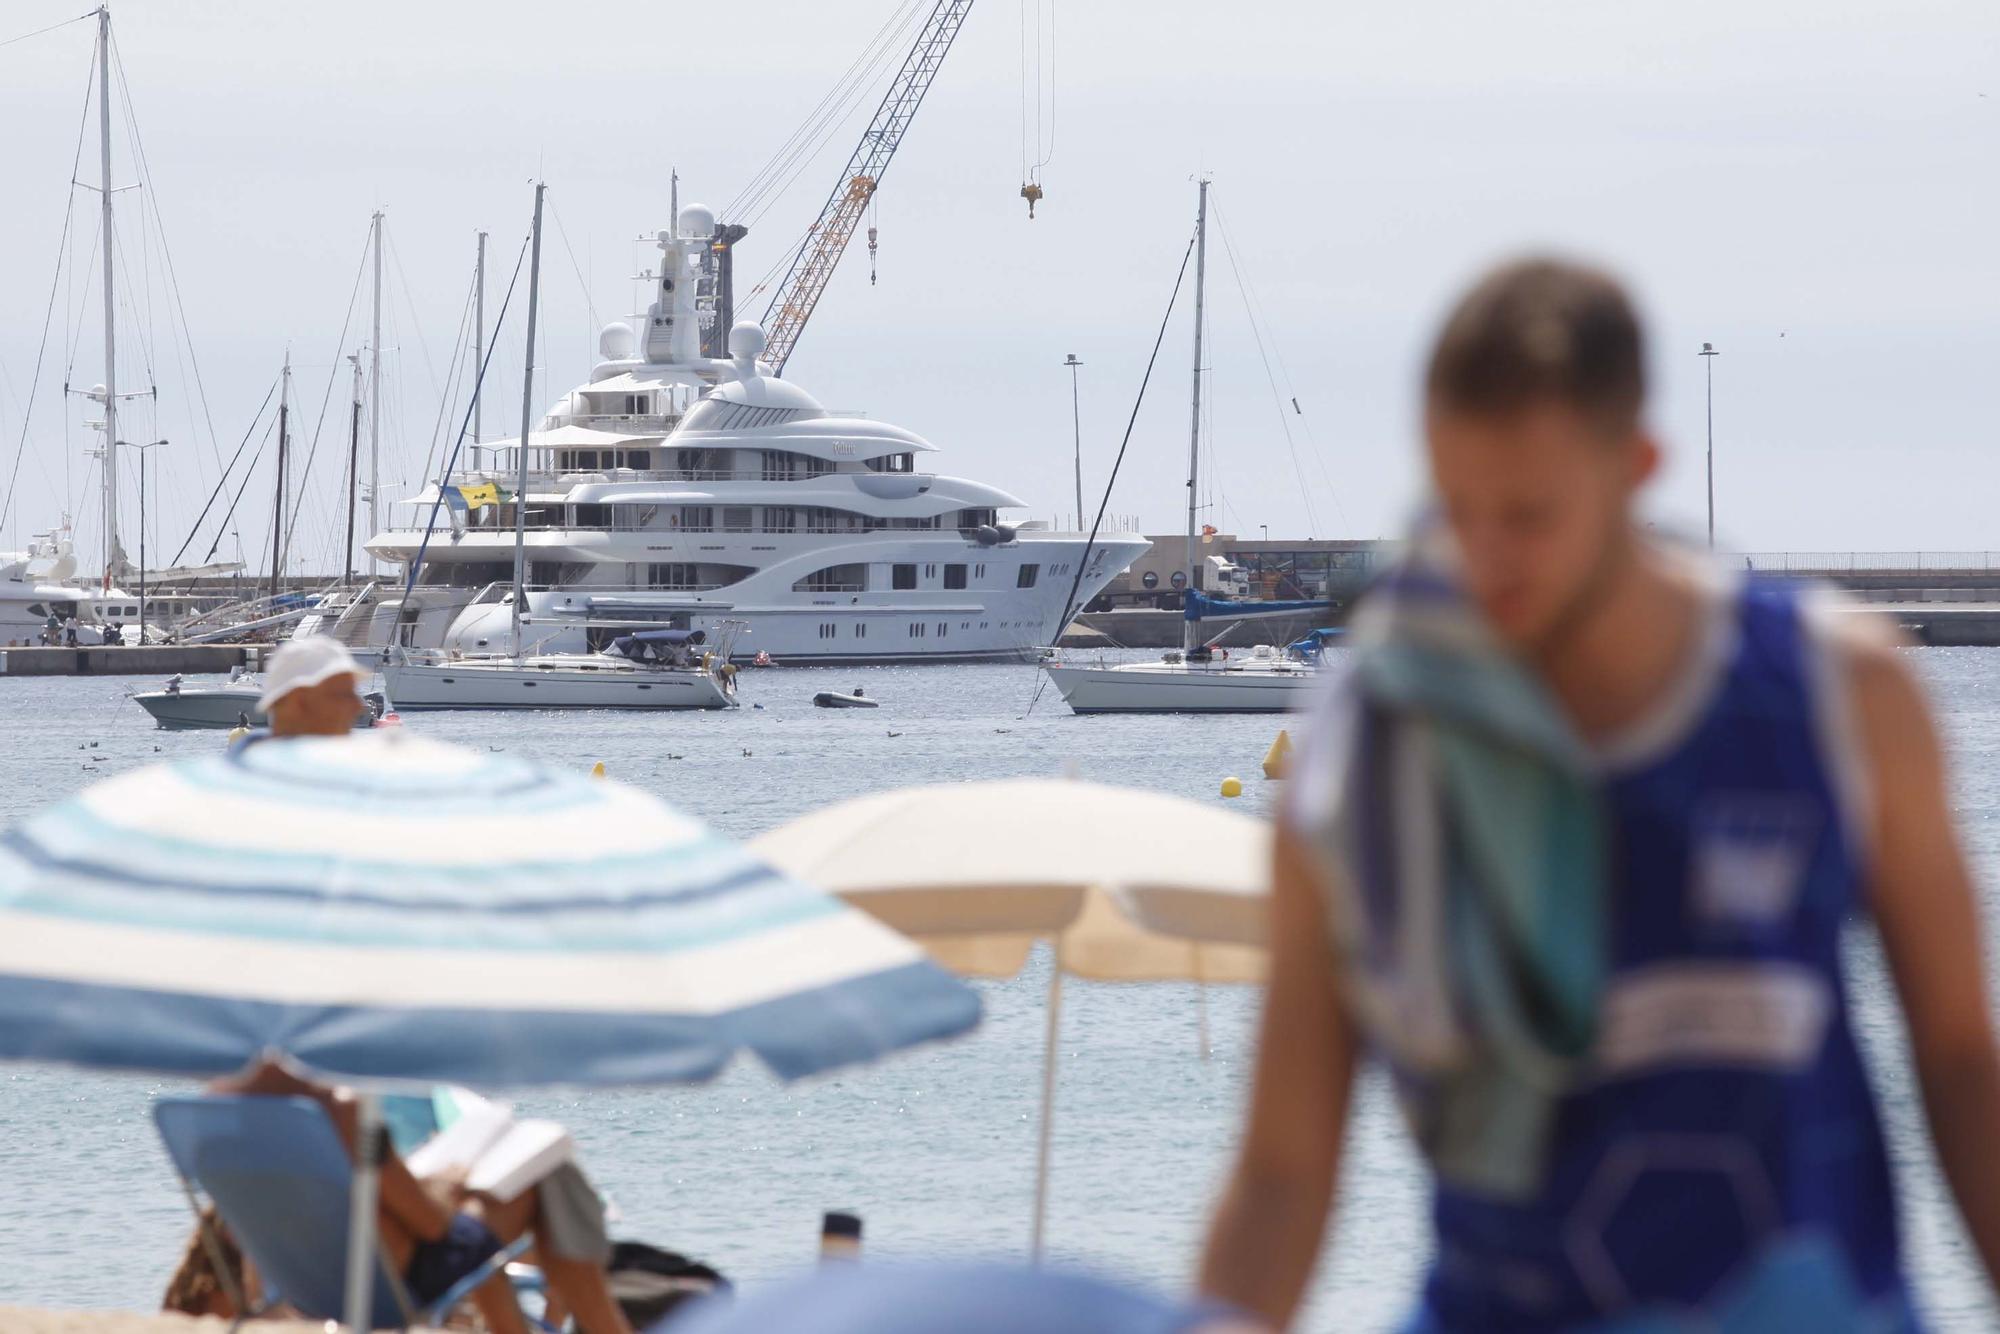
(954, 576)
(780, 518)
(893, 463)
(736, 518)
(903, 576)
(1026, 578)
(64, 608)
(584, 460)
(698, 518)
(592, 516)
(851, 578)
(37, 609)
(638, 405)
(675, 575)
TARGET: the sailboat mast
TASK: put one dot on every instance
(375, 396)
(113, 553)
(478, 333)
(1189, 635)
(527, 420)
(278, 503)
(353, 463)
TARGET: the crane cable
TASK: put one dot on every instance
(799, 151)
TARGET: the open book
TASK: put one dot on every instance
(500, 1156)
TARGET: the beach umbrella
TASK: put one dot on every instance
(1125, 885)
(384, 906)
(948, 1299)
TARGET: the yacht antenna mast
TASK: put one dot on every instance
(375, 398)
(527, 420)
(1189, 634)
(114, 554)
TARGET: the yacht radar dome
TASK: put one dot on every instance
(697, 221)
(746, 341)
(614, 341)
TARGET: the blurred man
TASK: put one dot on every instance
(1571, 849)
(311, 688)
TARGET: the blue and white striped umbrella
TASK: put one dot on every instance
(390, 907)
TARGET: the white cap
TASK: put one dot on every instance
(305, 661)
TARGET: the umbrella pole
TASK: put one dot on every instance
(361, 1212)
(1054, 1008)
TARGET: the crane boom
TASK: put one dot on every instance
(813, 264)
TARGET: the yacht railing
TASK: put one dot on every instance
(753, 530)
(585, 476)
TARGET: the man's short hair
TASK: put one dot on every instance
(1541, 330)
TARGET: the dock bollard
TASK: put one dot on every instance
(839, 1237)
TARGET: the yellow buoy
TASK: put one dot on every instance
(1232, 787)
(1280, 753)
(597, 769)
(236, 734)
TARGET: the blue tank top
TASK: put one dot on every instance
(1723, 1160)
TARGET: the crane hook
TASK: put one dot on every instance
(1031, 192)
(871, 256)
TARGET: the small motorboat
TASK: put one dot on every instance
(763, 659)
(178, 706)
(833, 699)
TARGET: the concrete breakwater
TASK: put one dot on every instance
(150, 660)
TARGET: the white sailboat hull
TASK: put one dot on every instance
(508, 684)
(1184, 688)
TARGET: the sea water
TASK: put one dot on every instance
(934, 1148)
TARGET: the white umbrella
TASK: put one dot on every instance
(1126, 885)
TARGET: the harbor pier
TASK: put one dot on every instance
(119, 660)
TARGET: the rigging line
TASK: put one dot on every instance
(48, 316)
(221, 482)
(451, 464)
(410, 303)
(1083, 560)
(167, 254)
(51, 28)
(577, 268)
(1024, 89)
(305, 475)
(90, 269)
(1277, 399)
(815, 120)
(448, 404)
(222, 530)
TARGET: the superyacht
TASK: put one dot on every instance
(681, 491)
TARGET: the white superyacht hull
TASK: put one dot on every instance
(531, 684)
(1184, 687)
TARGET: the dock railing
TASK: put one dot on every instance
(1869, 562)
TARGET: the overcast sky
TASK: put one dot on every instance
(1813, 187)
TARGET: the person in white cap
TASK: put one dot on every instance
(310, 688)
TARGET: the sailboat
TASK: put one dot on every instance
(1202, 677)
(647, 669)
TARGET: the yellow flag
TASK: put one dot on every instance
(475, 496)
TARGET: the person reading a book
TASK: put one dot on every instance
(435, 1230)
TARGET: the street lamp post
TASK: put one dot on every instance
(1265, 528)
(1708, 354)
(1076, 424)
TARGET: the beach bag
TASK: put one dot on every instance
(648, 1282)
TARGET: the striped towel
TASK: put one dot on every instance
(1468, 848)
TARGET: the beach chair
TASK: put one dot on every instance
(278, 1174)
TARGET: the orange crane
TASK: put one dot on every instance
(814, 261)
